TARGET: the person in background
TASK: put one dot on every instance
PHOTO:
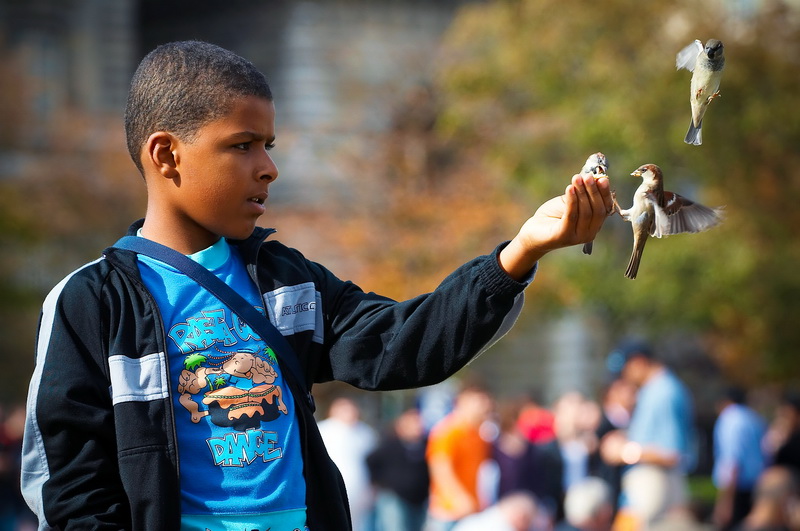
(349, 440)
(783, 435)
(776, 502)
(565, 459)
(399, 472)
(588, 506)
(435, 402)
(456, 451)
(659, 443)
(14, 514)
(536, 422)
(515, 464)
(617, 403)
(516, 511)
(739, 458)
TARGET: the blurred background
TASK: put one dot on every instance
(413, 135)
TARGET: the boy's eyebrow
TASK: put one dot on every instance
(250, 135)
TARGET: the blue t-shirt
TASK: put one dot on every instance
(738, 435)
(238, 439)
(664, 418)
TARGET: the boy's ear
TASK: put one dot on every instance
(159, 154)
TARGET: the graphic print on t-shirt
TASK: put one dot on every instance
(237, 390)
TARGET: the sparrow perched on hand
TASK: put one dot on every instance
(596, 165)
(658, 213)
(707, 64)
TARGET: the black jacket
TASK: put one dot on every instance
(102, 454)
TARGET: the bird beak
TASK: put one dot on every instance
(637, 173)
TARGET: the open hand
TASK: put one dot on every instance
(570, 219)
(573, 218)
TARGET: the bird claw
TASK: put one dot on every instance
(714, 96)
(615, 206)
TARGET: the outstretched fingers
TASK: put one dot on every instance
(606, 195)
(569, 215)
(582, 187)
(594, 202)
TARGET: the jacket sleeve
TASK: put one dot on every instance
(376, 343)
(69, 476)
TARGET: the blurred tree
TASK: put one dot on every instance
(414, 213)
(67, 189)
(531, 87)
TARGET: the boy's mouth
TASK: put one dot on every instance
(260, 199)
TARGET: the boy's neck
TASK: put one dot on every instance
(163, 233)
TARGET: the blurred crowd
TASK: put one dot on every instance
(463, 458)
(14, 514)
(619, 461)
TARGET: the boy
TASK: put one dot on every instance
(153, 407)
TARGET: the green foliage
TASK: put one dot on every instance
(193, 361)
(273, 358)
(535, 86)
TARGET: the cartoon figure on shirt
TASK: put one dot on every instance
(240, 392)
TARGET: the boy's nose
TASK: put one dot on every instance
(270, 171)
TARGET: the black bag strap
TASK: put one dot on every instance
(258, 322)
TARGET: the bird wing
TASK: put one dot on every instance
(687, 57)
(680, 214)
(660, 226)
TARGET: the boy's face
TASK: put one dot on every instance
(224, 175)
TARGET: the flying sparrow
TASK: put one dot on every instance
(707, 64)
(656, 212)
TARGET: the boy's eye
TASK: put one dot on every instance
(245, 146)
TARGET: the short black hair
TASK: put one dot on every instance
(626, 350)
(736, 394)
(181, 86)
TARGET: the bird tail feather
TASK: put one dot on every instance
(633, 265)
(694, 135)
